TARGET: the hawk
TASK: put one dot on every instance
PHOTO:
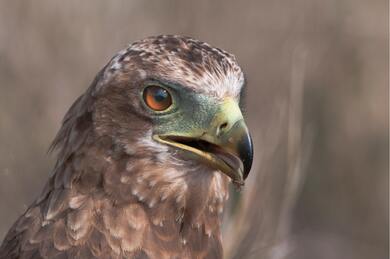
(145, 157)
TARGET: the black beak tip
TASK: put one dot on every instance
(246, 154)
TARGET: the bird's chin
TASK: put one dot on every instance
(207, 153)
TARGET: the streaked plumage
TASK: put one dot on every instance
(115, 191)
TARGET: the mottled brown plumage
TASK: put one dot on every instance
(114, 191)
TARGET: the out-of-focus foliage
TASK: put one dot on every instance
(317, 106)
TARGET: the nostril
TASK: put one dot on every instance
(223, 126)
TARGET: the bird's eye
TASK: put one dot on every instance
(157, 98)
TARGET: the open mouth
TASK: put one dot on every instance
(212, 154)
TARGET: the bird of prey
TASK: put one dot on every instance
(145, 157)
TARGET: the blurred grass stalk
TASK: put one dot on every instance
(262, 220)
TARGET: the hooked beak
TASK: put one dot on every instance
(225, 145)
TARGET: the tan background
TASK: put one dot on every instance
(317, 105)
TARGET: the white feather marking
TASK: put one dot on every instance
(125, 179)
(76, 201)
(148, 142)
(129, 150)
(134, 191)
(152, 203)
(129, 166)
(142, 73)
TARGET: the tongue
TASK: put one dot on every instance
(231, 160)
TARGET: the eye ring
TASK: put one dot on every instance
(157, 98)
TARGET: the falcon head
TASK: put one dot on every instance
(175, 100)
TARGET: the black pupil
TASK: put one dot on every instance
(160, 95)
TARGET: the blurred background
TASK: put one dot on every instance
(317, 106)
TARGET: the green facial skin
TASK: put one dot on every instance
(196, 116)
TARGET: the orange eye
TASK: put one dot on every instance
(157, 98)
